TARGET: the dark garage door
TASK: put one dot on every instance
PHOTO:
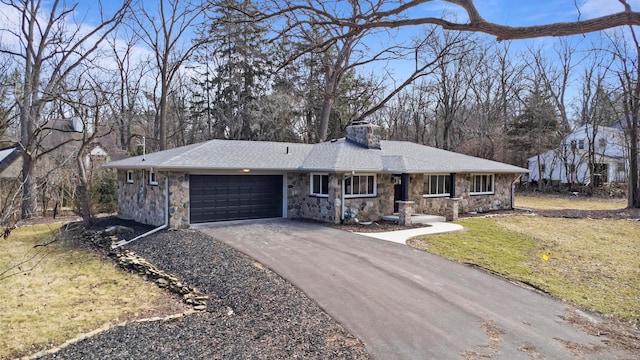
(234, 197)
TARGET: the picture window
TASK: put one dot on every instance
(482, 184)
(436, 185)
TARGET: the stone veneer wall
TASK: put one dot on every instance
(367, 135)
(179, 200)
(373, 208)
(301, 205)
(501, 199)
(145, 203)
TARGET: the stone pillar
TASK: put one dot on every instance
(452, 209)
(404, 212)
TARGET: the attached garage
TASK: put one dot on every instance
(234, 197)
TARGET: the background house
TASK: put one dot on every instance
(570, 162)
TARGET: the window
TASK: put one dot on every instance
(602, 142)
(581, 144)
(130, 176)
(153, 180)
(436, 185)
(573, 145)
(360, 186)
(320, 184)
(481, 184)
(543, 167)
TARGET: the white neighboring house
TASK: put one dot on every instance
(570, 162)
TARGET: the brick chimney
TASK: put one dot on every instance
(364, 134)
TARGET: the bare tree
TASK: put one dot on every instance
(626, 50)
(130, 73)
(163, 30)
(556, 75)
(50, 48)
(403, 14)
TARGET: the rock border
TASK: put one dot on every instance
(136, 264)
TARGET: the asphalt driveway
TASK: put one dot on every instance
(404, 303)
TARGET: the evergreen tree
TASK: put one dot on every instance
(535, 130)
(243, 71)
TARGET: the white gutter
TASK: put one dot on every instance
(161, 227)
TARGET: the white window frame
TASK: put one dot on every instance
(153, 177)
(473, 183)
(130, 176)
(439, 177)
(360, 176)
(581, 143)
(312, 183)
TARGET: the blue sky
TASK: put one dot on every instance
(506, 12)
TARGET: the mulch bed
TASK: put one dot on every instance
(252, 313)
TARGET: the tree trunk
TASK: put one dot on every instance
(162, 118)
(633, 196)
(83, 201)
(29, 188)
(327, 106)
(539, 173)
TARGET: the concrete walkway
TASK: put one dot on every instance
(401, 236)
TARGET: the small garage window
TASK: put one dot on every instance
(153, 177)
(360, 186)
(130, 176)
(320, 185)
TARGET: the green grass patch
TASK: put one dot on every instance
(591, 263)
(52, 293)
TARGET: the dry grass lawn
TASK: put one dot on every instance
(561, 203)
(58, 292)
(591, 263)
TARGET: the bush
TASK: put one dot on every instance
(105, 192)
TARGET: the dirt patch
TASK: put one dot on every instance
(620, 214)
(621, 335)
(492, 348)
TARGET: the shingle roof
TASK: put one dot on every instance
(336, 155)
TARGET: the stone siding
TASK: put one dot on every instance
(367, 135)
(145, 203)
(500, 200)
(373, 208)
(179, 200)
(302, 205)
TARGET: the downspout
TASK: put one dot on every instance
(342, 199)
(161, 227)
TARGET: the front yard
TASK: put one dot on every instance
(51, 292)
(591, 263)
